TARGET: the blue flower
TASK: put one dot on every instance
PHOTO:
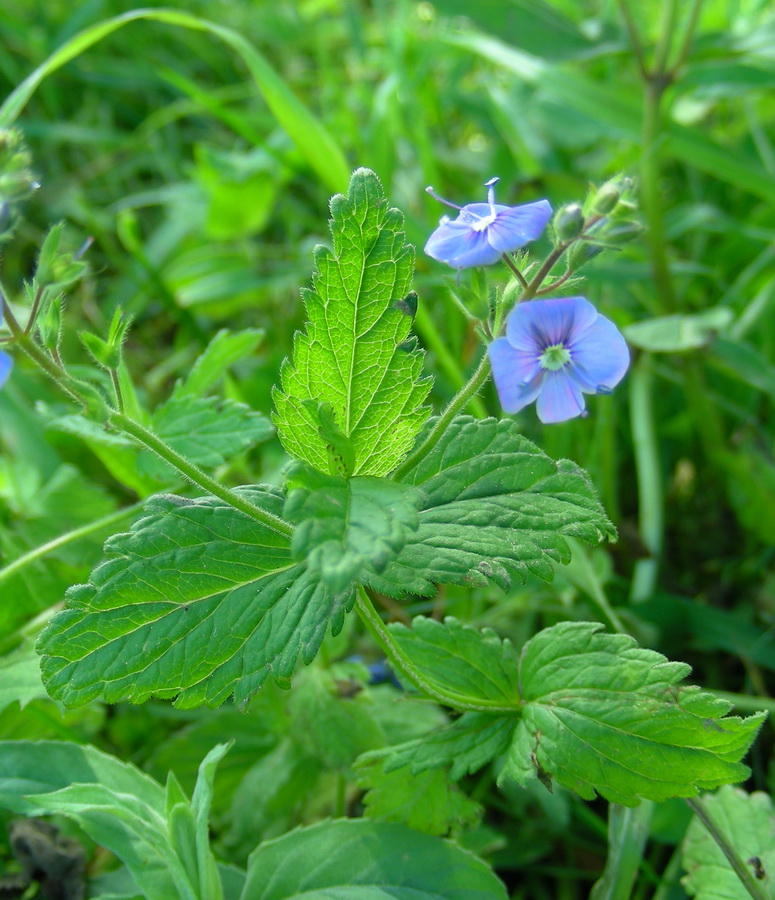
(5, 360)
(555, 351)
(483, 232)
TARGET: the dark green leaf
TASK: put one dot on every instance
(367, 860)
(602, 714)
(495, 506)
(348, 524)
(198, 602)
(351, 356)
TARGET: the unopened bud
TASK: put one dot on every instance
(568, 222)
(622, 232)
(605, 198)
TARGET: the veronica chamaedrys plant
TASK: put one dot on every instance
(6, 362)
(482, 232)
(555, 351)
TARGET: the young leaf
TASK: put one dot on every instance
(207, 432)
(351, 356)
(495, 505)
(602, 714)
(224, 350)
(748, 821)
(466, 745)
(378, 861)
(462, 659)
(346, 524)
(428, 802)
(199, 601)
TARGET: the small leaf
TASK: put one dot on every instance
(428, 802)
(602, 714)
(198, 601)
(461, 659)
(346, 525)
(672, 334)
(223, 351)
(350, 356)
(368, 860)
(748, 822)
(495, 505)
(466, 745)
(203, 430)
(20, 677)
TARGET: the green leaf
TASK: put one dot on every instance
(352, 356)
(456, 657)
(221, 353)
(205, 431)
(20, 677)
(368, 861)
(748, 822)
(199, 601)
(673, 334)
(428, 802)
(465, 746)
(495, 506)
(348, 524)
(118, 806)
(602, 714)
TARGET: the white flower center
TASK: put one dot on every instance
(554, 357)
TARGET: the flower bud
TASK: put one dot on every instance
(568, 222)
(581, 252)
(605, 198)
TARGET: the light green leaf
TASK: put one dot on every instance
(205, 431)
(221, 353)
(360, 860)
(352, 356)
(462, 659)
(465, 746)
(673, 334)
(348, 524)
(20, 677)
(428, 802)
(117, 805)
(209, 879)
(748, 822)
(199, 601)
(495, 506)
(602, 714)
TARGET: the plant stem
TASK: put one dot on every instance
(515, 269)
(632, 30)
(401, 663)
(686, 43)
(741, 870)
(460, 400)
(196, 475)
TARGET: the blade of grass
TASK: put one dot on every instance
(313, 140)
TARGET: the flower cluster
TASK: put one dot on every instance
(482, 232)
(5, 360)
(555, 351)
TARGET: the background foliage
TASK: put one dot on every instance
(204, 212)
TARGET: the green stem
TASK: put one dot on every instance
(197, 475)
(635, 41)
(686, 44)
(470, 389)
(741, 870)
(650, 512)
(75, 535)
(401, 663)
(747, 702)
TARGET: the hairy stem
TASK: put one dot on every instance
(402, 664)
(741, 870)
(196, 475)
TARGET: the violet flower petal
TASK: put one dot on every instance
(545, 323)
(560, 398)
(6, 364)
(460, 246)
(517, 375)
(515, 226)
(600, 357)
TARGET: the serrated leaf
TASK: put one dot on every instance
(223, 351)
(464, 660)
(198, 601)
(466, 745)
(748, 822)
(496, 505)
(428, 802)
(20, 677)
(346, 525)
(205, 431)
(351, 355)
(602, 714)
(367, 860)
